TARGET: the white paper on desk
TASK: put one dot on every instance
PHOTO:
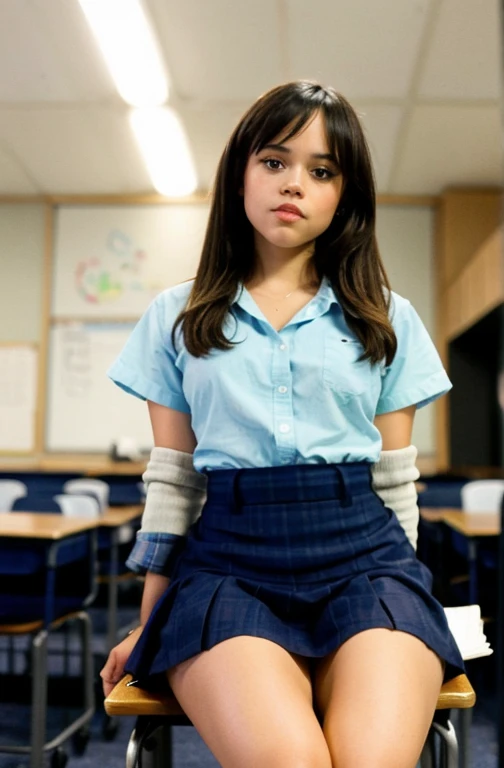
(466, 626)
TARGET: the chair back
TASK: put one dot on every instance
(482, 495)
(91, 486)
(74, 505)
(10, 490)
(142, 487)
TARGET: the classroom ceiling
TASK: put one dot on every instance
(425, 76)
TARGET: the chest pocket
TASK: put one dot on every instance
(344, 374)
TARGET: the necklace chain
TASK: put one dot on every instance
(277, 298)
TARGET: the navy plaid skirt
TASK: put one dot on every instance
(305, 556)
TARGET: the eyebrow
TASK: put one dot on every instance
(287, 151)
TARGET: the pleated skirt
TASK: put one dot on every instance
(305, 556)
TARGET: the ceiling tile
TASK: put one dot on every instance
(76, 150)
(464, 56)
(363, 48)
(219, 50)
(208, 131)
(47, 53)
(381, 127)
(450, 146)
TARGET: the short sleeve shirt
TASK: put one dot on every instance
(299, 395)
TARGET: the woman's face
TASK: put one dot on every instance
(292, 188)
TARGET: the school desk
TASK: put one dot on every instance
(473, 526)
(54, 526)
(87, 465)
(50, 526)
(51, 530)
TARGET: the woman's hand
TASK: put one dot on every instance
(113, 670)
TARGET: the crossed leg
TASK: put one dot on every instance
(251, 702)
(377, 695)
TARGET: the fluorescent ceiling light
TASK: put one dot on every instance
(164, 146)
(130, 48)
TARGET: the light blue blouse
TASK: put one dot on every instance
(294, 396)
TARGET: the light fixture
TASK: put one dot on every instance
(165, 149)
(130, 48)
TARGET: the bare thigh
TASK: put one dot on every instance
(377, 695)
(251, 701)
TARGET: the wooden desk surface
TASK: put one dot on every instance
(115, 516)
(473, 523)
(456, 693)
(83, 464)
(434, 514)
(38, 525)
(91, 465)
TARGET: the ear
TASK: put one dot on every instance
(241, 192)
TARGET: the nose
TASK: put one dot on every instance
(292, 185)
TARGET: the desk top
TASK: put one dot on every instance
(39, 525)
(83, 464)
(115, 516)
(54, 525)
(473, 523)
(435, 514)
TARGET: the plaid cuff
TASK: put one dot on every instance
(153, 552)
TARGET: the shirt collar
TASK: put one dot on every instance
(325, 294)
(319, 305)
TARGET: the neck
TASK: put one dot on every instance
(287, 269)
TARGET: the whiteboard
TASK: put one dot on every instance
(85, 410)
(18, 398)
(110, 261)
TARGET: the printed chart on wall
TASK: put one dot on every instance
(86, 411)
(111, 261)
(18, 398)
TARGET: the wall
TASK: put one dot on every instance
(22, 238)
(405, 237)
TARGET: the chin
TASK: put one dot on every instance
(285, 239)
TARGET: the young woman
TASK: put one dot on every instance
(288, 610)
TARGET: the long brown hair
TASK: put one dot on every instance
(347, 252)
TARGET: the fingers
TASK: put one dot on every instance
(111, 672)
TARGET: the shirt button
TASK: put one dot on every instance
(282, 346)
(284, 428)
(282, 390)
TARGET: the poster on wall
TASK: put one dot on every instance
(111, 261)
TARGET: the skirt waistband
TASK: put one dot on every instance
(296, 483)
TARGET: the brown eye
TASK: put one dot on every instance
(323, 174)
(272, 163)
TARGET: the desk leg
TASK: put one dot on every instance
(39, 699)
(112, 589)
(473, 571)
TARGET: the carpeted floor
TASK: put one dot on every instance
(189, 750)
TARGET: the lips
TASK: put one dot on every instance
(289, 208)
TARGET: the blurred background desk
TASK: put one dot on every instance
(473, 527)
(112, 524)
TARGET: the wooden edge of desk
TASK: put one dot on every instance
(457, 693)
(123, 700)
